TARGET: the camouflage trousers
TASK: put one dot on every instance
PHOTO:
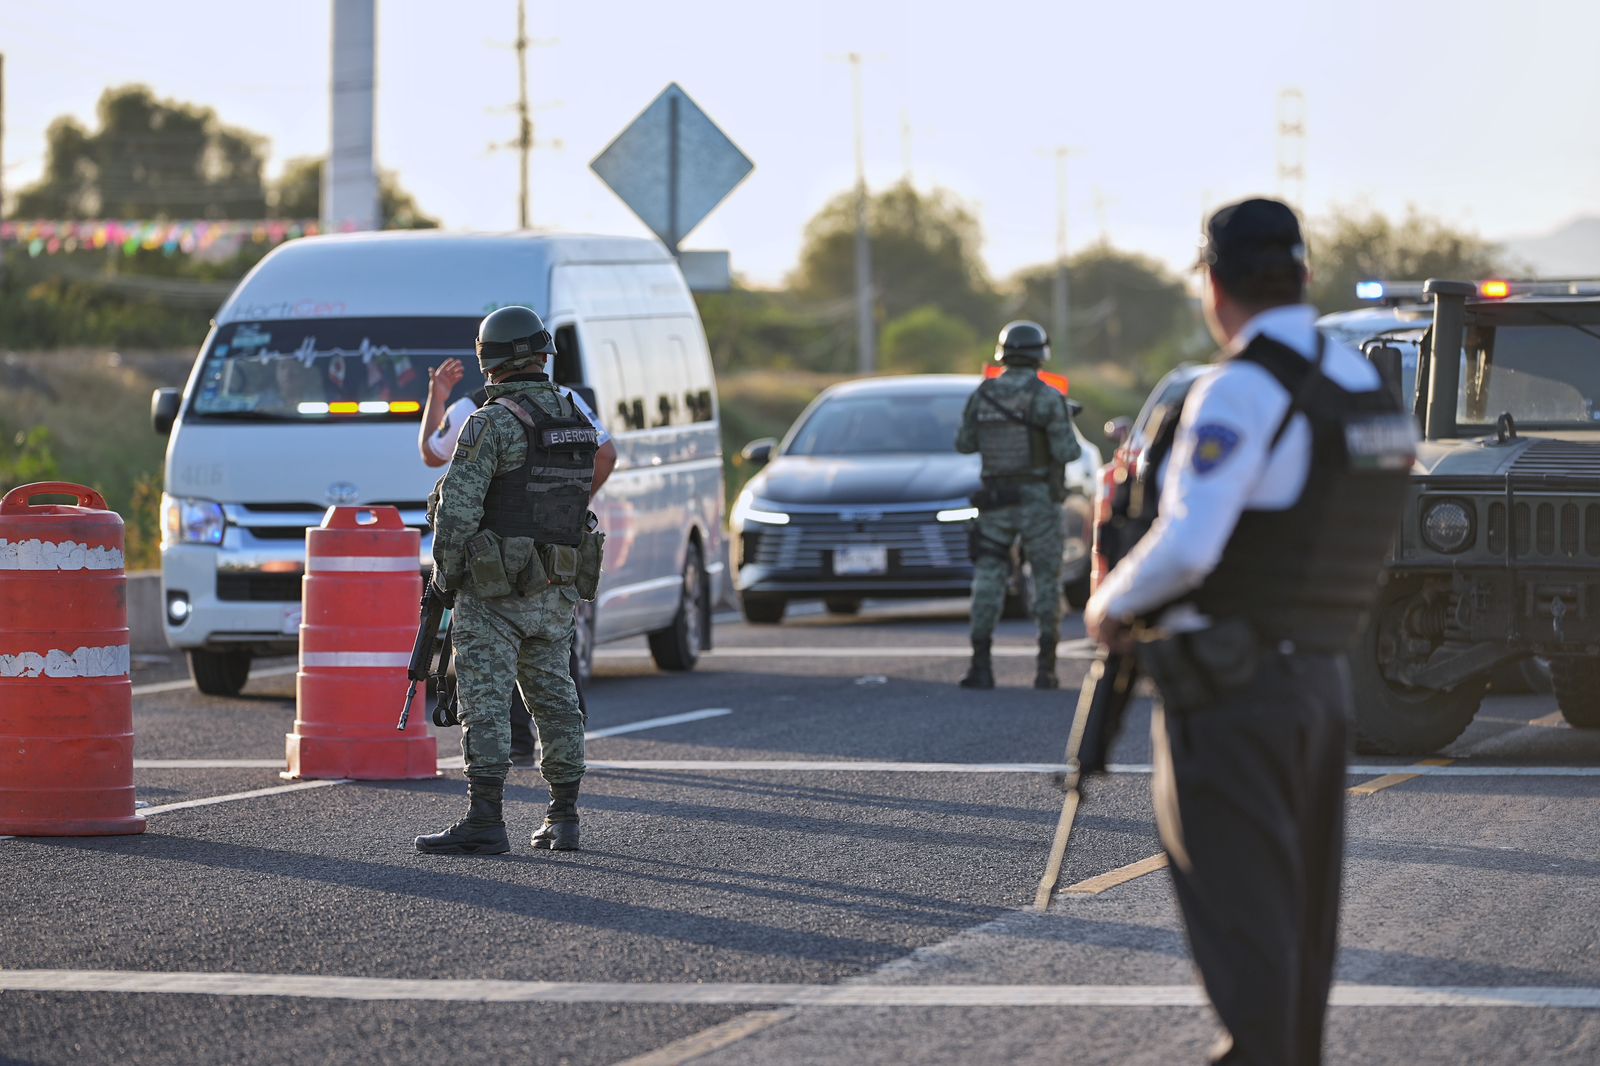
(524, 641)
(1037, 522)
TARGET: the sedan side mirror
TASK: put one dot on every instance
(759, 452)
(1117, 430)
(164, 404)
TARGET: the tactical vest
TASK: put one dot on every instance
(547, 497)
(1014, 449)
(1309, 573)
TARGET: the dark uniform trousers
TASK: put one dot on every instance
(523, 741)
(1249, 798)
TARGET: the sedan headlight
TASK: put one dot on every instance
(1447, 525)
(189, 521)
(748, 508)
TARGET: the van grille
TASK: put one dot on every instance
(259, 588)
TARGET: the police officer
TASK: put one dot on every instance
(1023, 429)
(441, 427)
(511, 546)
(1275, 495)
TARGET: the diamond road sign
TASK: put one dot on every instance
(672, 165)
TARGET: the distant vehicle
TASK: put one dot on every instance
(1498, 556)
(308, 392)
(1130, 437)
(867, 497)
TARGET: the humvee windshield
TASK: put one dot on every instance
(1545, 377)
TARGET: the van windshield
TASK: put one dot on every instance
(327, 369)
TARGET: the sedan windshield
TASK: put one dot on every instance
(1543, 376)
(881, 424)
(330, 368)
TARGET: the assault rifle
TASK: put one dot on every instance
(421, 669)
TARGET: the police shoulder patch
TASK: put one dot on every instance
(1214, 442)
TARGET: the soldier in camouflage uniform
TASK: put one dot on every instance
(513, 545)
(1023, 429)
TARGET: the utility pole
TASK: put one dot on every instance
(1292, 147)
(524, 116)
(2, 139)
(905, 143)
(866, 329)
(1060, 302)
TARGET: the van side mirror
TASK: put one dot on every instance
(1390, 365)
(164, 405)
(758, 452)
(586, 394)
(1117, 430)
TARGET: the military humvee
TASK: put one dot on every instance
(1498, 556)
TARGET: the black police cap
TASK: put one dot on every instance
(1252, 233)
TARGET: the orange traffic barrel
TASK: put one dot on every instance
(66, 697)
(358, 622)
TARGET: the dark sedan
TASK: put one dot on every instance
(867, 497)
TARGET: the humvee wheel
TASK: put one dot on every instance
(1577, 684)
(1392, 718)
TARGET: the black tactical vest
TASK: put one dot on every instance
(547, 497)
(1013, 448)
(1309, 573)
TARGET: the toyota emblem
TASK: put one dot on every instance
(343, 492)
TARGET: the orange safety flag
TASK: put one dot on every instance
(1055, 381)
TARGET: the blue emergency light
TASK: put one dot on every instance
(1369, 290)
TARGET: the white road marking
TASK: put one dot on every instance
(1073, 649)
(305, 986)
(232, 796)
(788, 765)
(154, 687)
(208, 764)
(657, 723)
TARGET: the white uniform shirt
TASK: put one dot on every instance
(1220, 466)
(442, 441)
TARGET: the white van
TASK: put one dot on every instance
(309, 389)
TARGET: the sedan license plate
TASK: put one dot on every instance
(863, 560)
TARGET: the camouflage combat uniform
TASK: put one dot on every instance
(1035, 517)
(524, 638)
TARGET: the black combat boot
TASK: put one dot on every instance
(1046, 676)
(981, 673)
(481, 832)
(560, 829)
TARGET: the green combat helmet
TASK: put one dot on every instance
(512, 335)
(1022, 342)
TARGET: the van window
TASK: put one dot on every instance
(568, 368)
(291, 370)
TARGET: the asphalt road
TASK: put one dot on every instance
(825, 853)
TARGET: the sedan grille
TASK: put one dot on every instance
(915, 541)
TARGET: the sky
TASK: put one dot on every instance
(1478, 112)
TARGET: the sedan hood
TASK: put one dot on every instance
(888, 479)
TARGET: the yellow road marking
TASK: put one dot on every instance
(1121, 875)
(1378, 784)
(1553, 720)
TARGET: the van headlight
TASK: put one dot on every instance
(185, 520)
(1447, 525)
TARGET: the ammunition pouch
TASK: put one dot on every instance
(486, 567)
(591, 553)
(560, 563)
(1194, 670)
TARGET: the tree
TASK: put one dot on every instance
(924, 253)
(929, 341)
(1125, 308)
(298, 194)
(1351, 246)
(149, 158)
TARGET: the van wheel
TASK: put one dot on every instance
(583, 640)
(677, 647)
(762, 610)
(219, 673)
(1395, 719)
(842, 605)
(1577, 683)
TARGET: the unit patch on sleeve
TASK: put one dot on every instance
(471, 437)
(1213, 443)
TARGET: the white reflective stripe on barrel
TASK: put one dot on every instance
(56, 555)
(369, 659)
(375, 564)
(111, 660)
